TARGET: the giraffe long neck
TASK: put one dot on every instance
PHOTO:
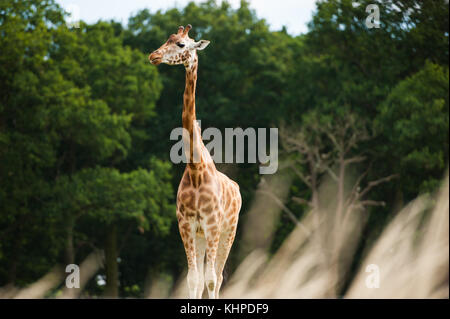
(189, 117)
(189, 98)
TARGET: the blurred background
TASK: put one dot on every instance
(363, 114)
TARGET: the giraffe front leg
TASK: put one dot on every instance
(192, 279)
(187, 232)
(212, 240)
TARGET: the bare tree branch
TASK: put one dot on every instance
(356, 159)
(355, 190)
(285, 209)
(301, 175)
(332, 174)
(301, 201)
(372, 203)
(375, 183)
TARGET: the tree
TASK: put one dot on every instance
(342, 63)
(323, 155)
(73, 104)
(413, 129)
(109, 198)
(26, 150)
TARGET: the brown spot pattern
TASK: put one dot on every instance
(206, 197)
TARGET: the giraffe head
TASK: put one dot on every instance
(178, 49)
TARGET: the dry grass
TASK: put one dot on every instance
(412, 254)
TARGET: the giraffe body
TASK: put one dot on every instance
(208, 202)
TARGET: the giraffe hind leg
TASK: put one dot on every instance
(212, 241)
(200, 248)
(225, 243)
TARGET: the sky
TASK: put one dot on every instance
(294, 14)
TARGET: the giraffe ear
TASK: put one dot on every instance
(202, 44)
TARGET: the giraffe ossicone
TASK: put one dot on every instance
(208, 202)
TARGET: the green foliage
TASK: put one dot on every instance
(73, 103)
(414, 124)
(85, 119)
(109, 196)
(342, 63)
(238, 73)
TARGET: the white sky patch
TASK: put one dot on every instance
(294, 14)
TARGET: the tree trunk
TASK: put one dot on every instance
(341, 191)
(88, 268)
(112, 278)
(335, 259)
(12, 271)
(398, 200)
(69, 253)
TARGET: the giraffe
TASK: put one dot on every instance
(208, 202)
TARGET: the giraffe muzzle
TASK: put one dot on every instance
(155, 58)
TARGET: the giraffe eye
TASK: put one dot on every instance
(181, 45)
